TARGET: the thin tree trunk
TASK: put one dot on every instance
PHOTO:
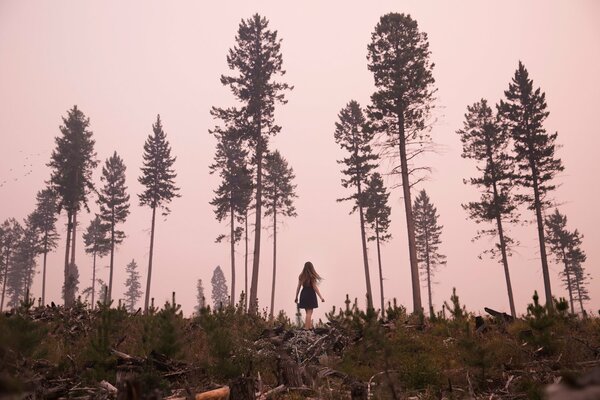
(511, 300)
(232, 242)
(274, 260)
(147, 299)
(93, 280)
(66, 291)
(579, 296)
(428, 264)
(246, 264)
(253, 308)
(569, 287)
(410, 223)
(112, 259)
(44, 269)
(380, 269)
(365, 254)
(541, 238)
(5, 277)
(73, 240)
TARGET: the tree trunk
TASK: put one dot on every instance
(410, 223)
(232, 242)
(44, 269)
(569, 287)
(5, 277)
(246, 263)
(112, 259)
(541, 238)
(147, 298)
(67, 295)
(365, 255)
(380, 269)
(253, 307)
(274, 260)
(93, 280)
(511, 300)
(579, 296)
(428, 264)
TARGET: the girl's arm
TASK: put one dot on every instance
(297, 291)
(318, 292)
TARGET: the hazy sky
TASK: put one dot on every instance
(124, 62)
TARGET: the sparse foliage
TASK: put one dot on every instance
(427, 235)
(114, 206)
(398, 57)
(257, 62)
(354, 136)
(72, 163)
(158, 179)
(279, 192)
(485, 140)
(523, 113)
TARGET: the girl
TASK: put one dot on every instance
(308, 280)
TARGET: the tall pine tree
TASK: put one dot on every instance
(234, 193)
(20, 276)
(354, 136)
(280, 192)
(114, 206)
(72, 162)
(523, 113)
(485, 141)
(219, 289)
(377, 215)
(398, 57)
(44, 220)
(133, 286)
(566, 247)
(257, 62)
(12, 234)
(427, 235)
(98, 244)
(158, 178)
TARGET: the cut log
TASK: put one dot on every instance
(503, 315)
(217, 394)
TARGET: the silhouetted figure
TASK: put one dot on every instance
(308, 281)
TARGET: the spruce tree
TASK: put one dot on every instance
(114, 206)
(427, 235)
(23, 264)
(233, 195)
(12, 234)
(377, 215)
(201, 300)
(398, 57)
(44, 220)
(98, 244)
(219, 289)
(158, 178)
(279, 192)
(566, 247)
(257, 62)
(485, 141)
(523, 113)
(133, 286)
(72, 162)
(354, 136)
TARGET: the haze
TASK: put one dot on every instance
(122, 63)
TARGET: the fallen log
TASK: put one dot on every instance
(217, 394)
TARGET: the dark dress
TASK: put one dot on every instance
(308, 297)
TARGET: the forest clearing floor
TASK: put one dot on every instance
(52, 352)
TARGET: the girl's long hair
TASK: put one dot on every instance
(309, 274)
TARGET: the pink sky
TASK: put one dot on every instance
(124, 62)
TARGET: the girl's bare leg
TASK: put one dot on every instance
(308, 320)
